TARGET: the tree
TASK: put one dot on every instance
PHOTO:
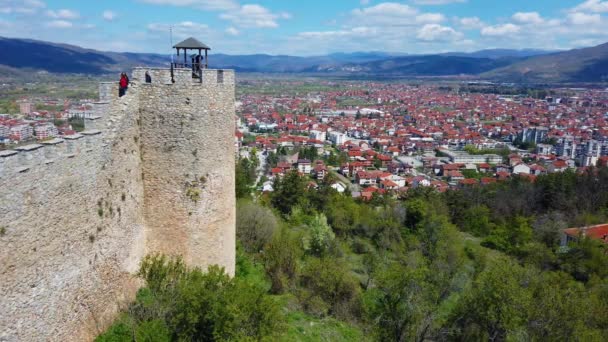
(416, 210)
(329, 288)
(585, 259)
(288, 192)
(342, 213)
(245, 176)
(560, 309)
(255, 225)
(397, 304)
(547, 228)
(321, 236)
(476, 220)
(332, 159)
(280, 259)
(510, 237)
(495, 307)
(272, 159)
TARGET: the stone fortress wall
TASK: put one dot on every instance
(155, 173)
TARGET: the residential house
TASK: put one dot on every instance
(521, 168)
(557, 166)
(304, 166)
(598, 232)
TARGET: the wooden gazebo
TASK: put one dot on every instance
(198, 62)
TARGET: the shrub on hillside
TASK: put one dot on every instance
(191, 305)
(255, 225)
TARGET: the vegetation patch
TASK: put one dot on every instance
(195, 188)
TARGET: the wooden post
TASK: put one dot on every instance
(185, 57)
(206, 61)
(199, 66)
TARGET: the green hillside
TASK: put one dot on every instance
(580, 65)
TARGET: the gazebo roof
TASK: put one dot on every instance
(191, 43)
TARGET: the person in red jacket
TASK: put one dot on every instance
(123, 85)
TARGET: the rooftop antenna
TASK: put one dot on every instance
(171, 41)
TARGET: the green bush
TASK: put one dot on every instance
(329, 280)
(191, 305)
(280, 259)
(255, 225)
(320, 237)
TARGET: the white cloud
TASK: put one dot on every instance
(254, 16)
(438, 2)
(579, 18)
(358, 32)
(62, 14)
(587, 42)
(388, 9)
(436, 32)
(470, 23)
(595, 6)
(388, 14)
(232, 31)
(212, 5)
(527, 18)
(61, 24)
(108, 15)
(21, 6)
(180, 31)
(430, 18)
(500, 30)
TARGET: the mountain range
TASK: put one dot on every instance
(579, 65)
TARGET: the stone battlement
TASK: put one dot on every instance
(153, 173)
(42, 155)
(183, 76)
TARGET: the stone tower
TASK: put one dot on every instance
(155, 174)
(187, 142)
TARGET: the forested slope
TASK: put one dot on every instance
(482, 263)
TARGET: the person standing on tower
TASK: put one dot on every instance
(123, 84)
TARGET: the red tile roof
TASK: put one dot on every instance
(599, 232)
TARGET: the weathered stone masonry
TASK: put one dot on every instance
(78, 214)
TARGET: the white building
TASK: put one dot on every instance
(460, 157)
(45, 131)
(23, 132)
(305, 166)
(5, 131)
(78, 113)
(318, 135)
(400, 181)
(338, 138)
(521, 169)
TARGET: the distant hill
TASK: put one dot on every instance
(22, 56)
(63, 58)
(500, 53)
(579, 65)
(431, 65)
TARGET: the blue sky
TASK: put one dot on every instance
(310, 27)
